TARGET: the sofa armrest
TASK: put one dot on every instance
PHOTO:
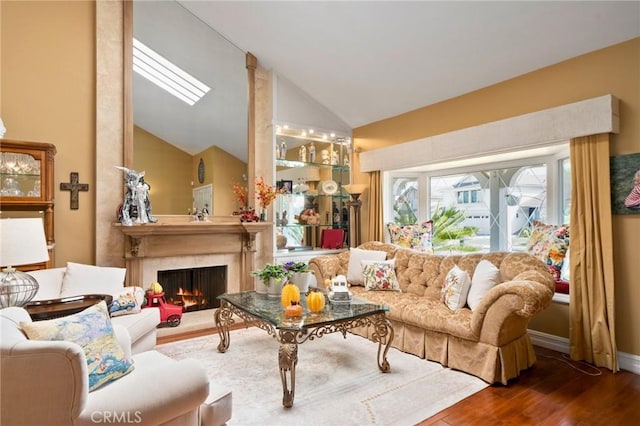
(325, 267)
(514, 302)
(56, 370)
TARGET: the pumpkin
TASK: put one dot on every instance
(315, 301)
(290, 293)
(156, 288)
(293, 310)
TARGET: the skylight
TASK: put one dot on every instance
(166, 75)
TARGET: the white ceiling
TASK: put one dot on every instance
(367, 61)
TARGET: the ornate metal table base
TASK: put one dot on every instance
(290, 339)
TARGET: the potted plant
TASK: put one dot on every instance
(272, 277)
(300, 274)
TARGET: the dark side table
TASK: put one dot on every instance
(55, 308)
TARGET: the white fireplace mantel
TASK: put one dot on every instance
(181, 238)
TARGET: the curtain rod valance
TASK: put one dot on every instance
(533, 130)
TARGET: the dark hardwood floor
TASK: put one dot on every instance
(553, 392)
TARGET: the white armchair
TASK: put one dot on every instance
(46, 382)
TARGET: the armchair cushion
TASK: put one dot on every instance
(93, 331)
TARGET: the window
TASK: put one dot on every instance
(487, 207)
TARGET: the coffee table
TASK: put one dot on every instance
(267, 313)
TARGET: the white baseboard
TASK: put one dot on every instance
(628, 362)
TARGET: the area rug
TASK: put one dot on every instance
(337, 381)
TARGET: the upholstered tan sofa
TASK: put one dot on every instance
(490, 342)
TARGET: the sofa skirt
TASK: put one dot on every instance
(490, 363)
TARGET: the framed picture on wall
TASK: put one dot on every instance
(285, 186)
(625, 184)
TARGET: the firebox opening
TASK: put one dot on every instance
(195, 288)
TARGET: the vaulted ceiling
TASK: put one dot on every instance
(369, 60)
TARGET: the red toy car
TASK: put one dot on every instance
(171, 314)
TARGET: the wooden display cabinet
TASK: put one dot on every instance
(26, 187)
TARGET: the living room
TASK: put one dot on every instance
(62, 84)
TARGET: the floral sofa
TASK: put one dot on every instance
(489, 341)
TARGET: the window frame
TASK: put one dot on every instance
(555, 189)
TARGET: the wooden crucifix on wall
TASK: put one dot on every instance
(74, 186)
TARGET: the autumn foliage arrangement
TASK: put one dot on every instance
(265, 193)
(242, 195)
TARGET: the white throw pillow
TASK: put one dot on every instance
(356, 256)
(455, 288)
(89, 279)
(485, 277)
(49, 282)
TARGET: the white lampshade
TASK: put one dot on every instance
(22, 242)
(355, 188)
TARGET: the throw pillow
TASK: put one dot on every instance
(549, 243)
(380, 275)
(89, 279)
(416, 237)
(93, 331)
(356, 256)
(565, 272)
(455, 288)
(485, 277)
(128, 301)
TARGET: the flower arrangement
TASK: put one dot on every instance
(242, 195)
(296, 267)
(277, 272)
(266, 193)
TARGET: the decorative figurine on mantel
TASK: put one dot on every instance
(137, 206)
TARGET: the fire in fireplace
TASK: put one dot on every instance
(194, 288)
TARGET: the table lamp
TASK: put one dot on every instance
(355, 190)
(23, 243)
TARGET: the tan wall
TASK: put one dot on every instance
(615, 70)
(170, 186)
(48, 95)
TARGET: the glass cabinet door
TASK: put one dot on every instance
(20, 175)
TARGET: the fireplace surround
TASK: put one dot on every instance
(176, 242)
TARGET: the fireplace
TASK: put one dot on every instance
(194, 288)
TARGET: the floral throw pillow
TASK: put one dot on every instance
(416, 237)
(455, 288)
(92, 330)
(128, 301)
(549, 243)
(380, 275)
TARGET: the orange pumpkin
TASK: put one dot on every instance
(315, 301)
(290, 293)
(293, 310)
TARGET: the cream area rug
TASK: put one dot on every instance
(337, 381)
